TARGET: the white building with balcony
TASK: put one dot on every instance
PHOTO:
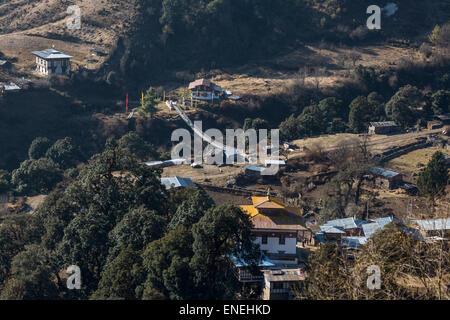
(51, 61)
(205, 90)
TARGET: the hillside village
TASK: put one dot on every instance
(362, 177)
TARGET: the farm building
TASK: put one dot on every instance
(9, 87)
(386, 179)
(383, 127)
(274, 162)
(51, 61)
(336, 229)
(432, 125)
(276, 228)
(205, 90)
(377, 224)
(227, 156)
(255, 171)
(434, 229)
(177, 182)
(280, 284)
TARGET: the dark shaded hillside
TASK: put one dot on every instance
(32, 114)
(191, 36)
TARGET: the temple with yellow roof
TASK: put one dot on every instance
(277, 228)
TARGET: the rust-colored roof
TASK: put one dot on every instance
(282, 221)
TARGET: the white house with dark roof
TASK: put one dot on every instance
(203, 89)
(51, 61)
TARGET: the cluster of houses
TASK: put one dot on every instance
(352, 233)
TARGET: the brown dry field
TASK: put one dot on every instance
(259, 79)
(376, 143)
(30, 25)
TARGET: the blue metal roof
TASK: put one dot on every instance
(384, 172)
(379, 223)
(353, 242)
(255, 168)
(331, 229)
(346, 223)
(176, 182)
(264, 262)
(433, 224)
(51, 54)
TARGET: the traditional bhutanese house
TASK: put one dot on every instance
(205, 90)
(177, 182)
(282, 284)
(51, 61)
(383, 127)
(432, 125)
(276, 228)
(386, 179)
(330, 234)
(434, 229)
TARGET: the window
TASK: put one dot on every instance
(282, 239)
(278, 285)
(281, 252)
(264, 239)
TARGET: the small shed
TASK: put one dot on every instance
(255, 171)
(386, 179)
(383, 127)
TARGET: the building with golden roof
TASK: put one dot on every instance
(276, 227)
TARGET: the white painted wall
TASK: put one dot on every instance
(273, 246)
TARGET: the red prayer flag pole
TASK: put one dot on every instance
(127, 103)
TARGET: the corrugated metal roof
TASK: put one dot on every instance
(11, 87)
(433, 224)
(177, 182)
(255, 168)
(153, 163)
(276, 162)
(331, 229)
(264, 262)
(353, 242)
(346, 223)
(370, 228)
(384, 172)
(51, 54)
(385, 220)
(383, 124)
(379, 223)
